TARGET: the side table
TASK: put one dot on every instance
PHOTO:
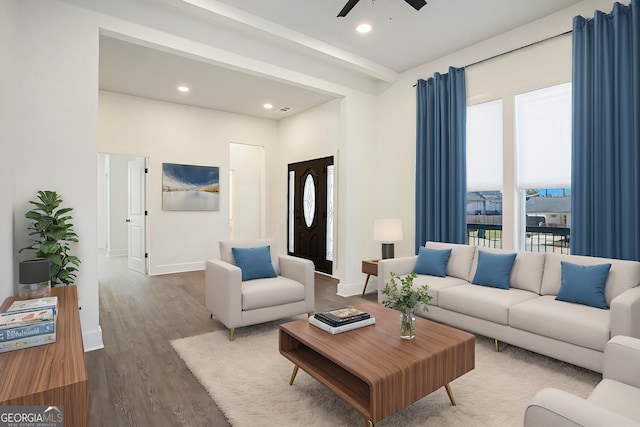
(370, 268)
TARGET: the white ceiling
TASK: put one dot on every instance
(310, 28)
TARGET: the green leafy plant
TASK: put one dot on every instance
(404, 297)
(51, 232)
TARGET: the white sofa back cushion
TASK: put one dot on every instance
(623, 275)
(460, 260)
(527, 270)
(226, 254)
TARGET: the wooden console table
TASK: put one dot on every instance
(51, 374)
(370, 268)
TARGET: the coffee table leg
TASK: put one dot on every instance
(293, 374)
(450, 393)
(369, 423)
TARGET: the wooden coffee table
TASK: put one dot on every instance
(372, 368)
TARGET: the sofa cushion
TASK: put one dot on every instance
(432, 261)
(527, 270)
(486, 303)
(583, 284)
(617, 397)
(255, 263)
(226, 254)
(623, 275)
(436, 284)
(494, 269)
(460, 259)
(262, 293)
(573, 323)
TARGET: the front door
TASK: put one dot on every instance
(310, 205)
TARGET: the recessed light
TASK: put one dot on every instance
(363, 28)
(268, 106)
(183, 89)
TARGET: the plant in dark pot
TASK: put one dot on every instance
(51, 233)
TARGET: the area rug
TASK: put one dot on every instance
(249, 381)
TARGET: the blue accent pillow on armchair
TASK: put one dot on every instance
(583, 284)
(255, 263)
(432, 261)
(494, 269)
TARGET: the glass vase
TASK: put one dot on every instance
(407, 325)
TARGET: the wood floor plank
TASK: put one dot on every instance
(138, 379)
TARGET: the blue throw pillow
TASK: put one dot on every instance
(494, 269)
(583, 284)
(255, 263)
(432, 261)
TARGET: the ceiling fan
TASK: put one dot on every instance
(416, 4)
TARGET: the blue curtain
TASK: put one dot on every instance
(441, 166)
(605, 186)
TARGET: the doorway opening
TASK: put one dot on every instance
(123, 221)
(246, 192)
(310, 212)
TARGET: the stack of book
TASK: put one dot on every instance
(28, 323)
(342, 320)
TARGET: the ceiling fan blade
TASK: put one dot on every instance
(417, 4)
(347, 8)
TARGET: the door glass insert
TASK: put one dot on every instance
(292, 192)
(330, 213)
(309, 200)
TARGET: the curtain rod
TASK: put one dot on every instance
(516, 49)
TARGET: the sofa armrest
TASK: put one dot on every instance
(557, 408)
(223, 292)
(625, 313)
(622, 360)
(303, 271)
(399, 266)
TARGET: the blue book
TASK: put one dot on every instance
(21, 332)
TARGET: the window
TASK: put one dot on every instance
(543, 140)
(484, 174)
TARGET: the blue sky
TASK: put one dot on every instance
(193, 175)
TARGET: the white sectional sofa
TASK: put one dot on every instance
(527, 314)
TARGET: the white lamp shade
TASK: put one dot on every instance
(387, 230)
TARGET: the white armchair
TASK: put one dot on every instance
(236, 303)
(614, 402)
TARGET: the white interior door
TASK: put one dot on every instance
(136, 221)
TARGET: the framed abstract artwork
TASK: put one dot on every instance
(190, 187)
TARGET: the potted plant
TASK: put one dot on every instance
(406, 299)
(51, 232)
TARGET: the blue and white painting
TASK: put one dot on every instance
(190, 187)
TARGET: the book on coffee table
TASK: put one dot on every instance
(343, 328)
(342, 316)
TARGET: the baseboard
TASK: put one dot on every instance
(176, 268)
(92, 340)
(351, 289)
(117, 252)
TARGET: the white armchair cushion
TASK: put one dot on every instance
(617, 397)
(260, 293)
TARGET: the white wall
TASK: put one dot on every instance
(172, 133)
(7, 138)
(544, 64)
(55, 139)
(103, 177)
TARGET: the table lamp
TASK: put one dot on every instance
(34, 276)
(387, 231)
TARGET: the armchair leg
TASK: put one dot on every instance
(309, 314)
(232, 331)
(497, 344)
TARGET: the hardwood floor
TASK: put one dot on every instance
(138, 379)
